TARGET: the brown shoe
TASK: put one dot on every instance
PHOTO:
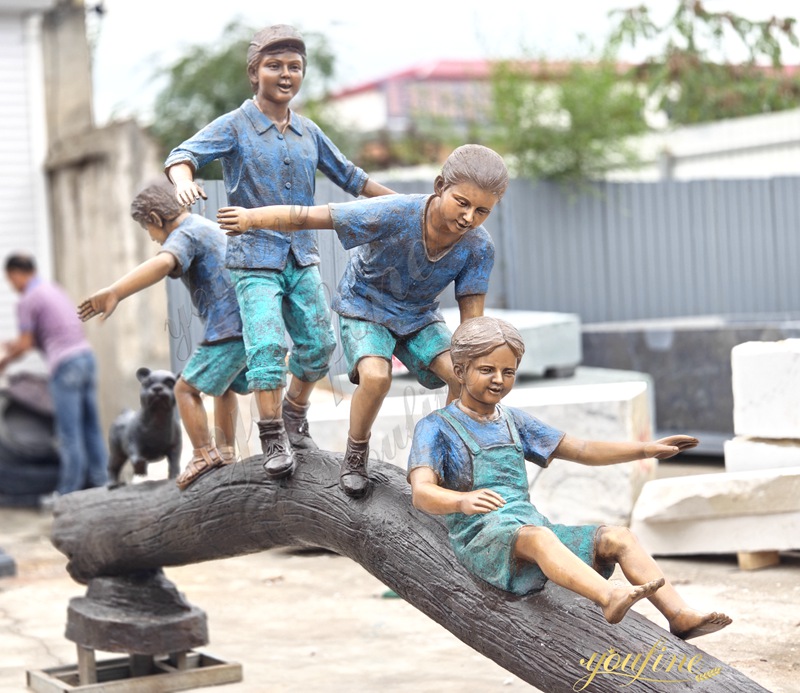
(353, 478)
(203, 460)
(278, 458)
(296, 423)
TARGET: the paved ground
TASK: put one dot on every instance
(318, 622)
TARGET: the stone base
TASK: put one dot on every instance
(720, 513)
(141, 614)
(744, 454)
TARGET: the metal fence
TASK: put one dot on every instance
(617, 251)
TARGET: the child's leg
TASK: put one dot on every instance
(195, 420)
(193, 413)
(226, 412)
(619, 544)
(374, 381)
(541, 546)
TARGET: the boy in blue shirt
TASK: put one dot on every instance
(467, 464)
(192, 248)
(270, 155)
(410, 248)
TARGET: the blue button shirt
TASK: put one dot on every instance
(391, 280)
(260, 167)
(199, 247)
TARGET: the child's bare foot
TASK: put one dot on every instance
(690, 623)
(623, 598)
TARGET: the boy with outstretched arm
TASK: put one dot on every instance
(192, 248)
(270, 155)
(410, 248)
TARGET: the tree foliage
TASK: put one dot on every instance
(565, 123)
(210, 80)
(692, 76)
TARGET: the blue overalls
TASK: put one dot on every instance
(484, 543)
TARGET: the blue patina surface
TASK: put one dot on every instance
(467, 455)
(198, 245)
(262, 166)
(391, 280)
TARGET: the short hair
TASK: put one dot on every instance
(269, 41)
(474, 163)
(480, 336)
(158, 198)
(21, 263)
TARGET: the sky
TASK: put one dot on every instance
(136, 38)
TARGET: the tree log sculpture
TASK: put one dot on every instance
(547, 639)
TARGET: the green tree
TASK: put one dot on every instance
(566, 122)
(209, 80)
(692, 77)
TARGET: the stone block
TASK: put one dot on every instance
(729, 512)
(565, 491)
(744, 454)
(689, 360)
(552, 340)
(766, 389)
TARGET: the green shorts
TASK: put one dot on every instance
(416, 351)
(215, 368)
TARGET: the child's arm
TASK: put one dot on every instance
(237, 220)
(428, 496)
(596, 452)
(374, 189)
(148, 273)
(471, 306)
(186, 190)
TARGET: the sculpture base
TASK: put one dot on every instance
(168, 673)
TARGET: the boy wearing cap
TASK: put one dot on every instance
(270, 155)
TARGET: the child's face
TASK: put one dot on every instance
(157, 233)
(280, 76)
(464, 206)
(487, 379)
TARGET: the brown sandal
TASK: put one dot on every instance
(227, 453)
(203, 460)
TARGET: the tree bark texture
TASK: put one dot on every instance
(237, 510)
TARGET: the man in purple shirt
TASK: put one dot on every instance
(48, 321)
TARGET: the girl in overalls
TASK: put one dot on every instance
(467, 463)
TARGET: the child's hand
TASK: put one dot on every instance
(188, 192)
(669, 446)
(234, 220)
(482, 501)
(103, 302)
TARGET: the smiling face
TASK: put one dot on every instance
(279, 76)
(485, 380)
(462, 207)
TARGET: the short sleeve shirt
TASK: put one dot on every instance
(437, 445)
(198, 245)
(390, 280)
(262, 166)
